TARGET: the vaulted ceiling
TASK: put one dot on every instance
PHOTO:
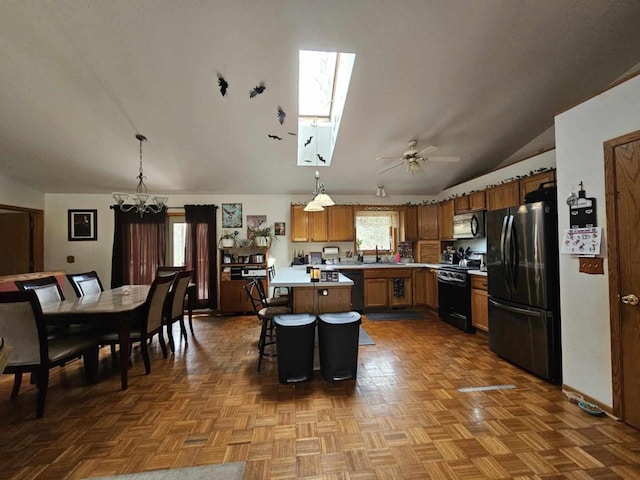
(478, 79)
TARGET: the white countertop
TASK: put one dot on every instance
(297, 276)
(368, 266)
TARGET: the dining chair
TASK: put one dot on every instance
(265, 314)
(47, 290)
(191, 288)
(174, 305)
(23, 327)
(85, 283)
(150, 322)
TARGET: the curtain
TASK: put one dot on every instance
(139, 246)
(201, 252)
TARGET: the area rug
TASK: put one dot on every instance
(364, 338)
(223, 471)
(394, 315)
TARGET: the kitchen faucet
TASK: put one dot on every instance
(377, 257)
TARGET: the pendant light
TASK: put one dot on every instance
(320, 198)
(139, 199)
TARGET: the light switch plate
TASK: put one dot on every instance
(592, 266)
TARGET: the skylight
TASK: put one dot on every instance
(322, 92)
(317, 76)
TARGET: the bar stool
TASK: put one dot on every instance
(266, 315)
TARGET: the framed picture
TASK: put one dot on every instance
(231, 215)
(82, 225)
(279, 228)
(255, 221)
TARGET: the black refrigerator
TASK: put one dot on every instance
(523, 287)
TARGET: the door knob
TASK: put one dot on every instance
(630, 299)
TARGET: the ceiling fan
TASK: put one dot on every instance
(411, 158)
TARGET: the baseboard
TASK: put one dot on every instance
(606, 408)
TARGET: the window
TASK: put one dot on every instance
(176, 240)
(377, 229)
(317, 77)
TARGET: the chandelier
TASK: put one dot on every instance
(138, 201)
(320, 199)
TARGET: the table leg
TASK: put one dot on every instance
(124, 336)
(191, 293)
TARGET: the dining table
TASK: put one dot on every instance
(116, 307)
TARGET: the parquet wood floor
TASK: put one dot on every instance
(402, 419)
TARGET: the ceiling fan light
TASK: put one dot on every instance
(313, 206)
(324, 200)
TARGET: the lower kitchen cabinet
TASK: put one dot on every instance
(376, 293)
(432, 289)
(425, 287)
(233, 297)
(479, 303)
(392, 287)
(307, 299)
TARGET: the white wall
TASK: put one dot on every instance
(96, 255)
(18, 195)
(580, 133)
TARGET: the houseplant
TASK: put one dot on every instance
(228, 238)
(262, 236)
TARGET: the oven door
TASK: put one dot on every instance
(454, 300)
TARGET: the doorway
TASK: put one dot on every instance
(21, 251)
(622, 187)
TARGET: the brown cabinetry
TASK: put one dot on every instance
(446, 211)
(428, 251)
(341, 226)
(425, 287)
(389, 287)
(308, 226)
(470, 203)
(235, 263)
(479, 303)
(307, 300)
(531, 183)
(411, 223)
(428, 222)
(503, 196)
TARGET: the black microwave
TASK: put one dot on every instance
(468, 225)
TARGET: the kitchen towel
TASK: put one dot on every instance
(398, 287)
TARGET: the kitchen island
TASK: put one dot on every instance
(314, 297)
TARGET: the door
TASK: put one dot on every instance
(525, 337)
(15, 242)
(533, 257)
(496, 269)
(622, 164)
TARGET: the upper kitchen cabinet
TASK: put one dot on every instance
(446, 211)
(411, 223)
(503, 196)
(428, 222)
(472, 202)
(308, 226)
(532, 182)
(341, 226)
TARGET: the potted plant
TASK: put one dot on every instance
(262, 236)
(228, 238)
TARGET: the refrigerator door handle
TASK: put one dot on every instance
(509, 265)
(503, 250)
(513, 253)
(508, 308)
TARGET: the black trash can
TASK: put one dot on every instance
(295, 340)
(338, 335)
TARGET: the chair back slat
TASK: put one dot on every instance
(47, 289)
(90, 286)
(85, 283)
(179, 292)
(253, 294)
(155, 302)
(20, 328)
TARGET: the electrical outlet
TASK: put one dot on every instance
(323, 292)
(592, 265)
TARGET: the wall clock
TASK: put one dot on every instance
(231, 215)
